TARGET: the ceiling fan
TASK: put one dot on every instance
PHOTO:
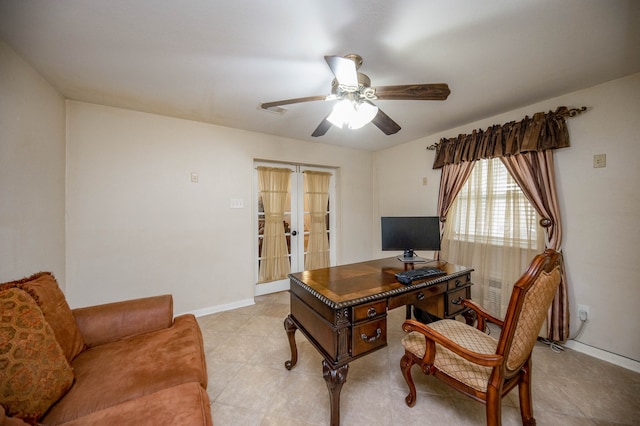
(354, 95)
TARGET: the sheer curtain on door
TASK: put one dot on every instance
(316, 192)
(273, 184)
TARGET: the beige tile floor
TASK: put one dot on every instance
(248, 384)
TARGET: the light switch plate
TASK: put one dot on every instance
(599, 160)
(237, 203)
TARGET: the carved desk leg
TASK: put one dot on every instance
(335, 379)
(291, 328)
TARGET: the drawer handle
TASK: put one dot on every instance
(458, 283)
(420, 296)
(457, 301)
(371, 312)
(368, 339)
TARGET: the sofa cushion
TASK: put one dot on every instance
(34, 372)
(186, 404)
(56, 311)
(112, 373)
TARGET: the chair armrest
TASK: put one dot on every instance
(114, 321)
(432, 336)
(482, 314)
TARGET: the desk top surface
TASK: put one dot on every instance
(352, 284)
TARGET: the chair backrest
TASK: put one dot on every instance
(530, 301)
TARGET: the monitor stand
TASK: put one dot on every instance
(414, 259)
(409, 256)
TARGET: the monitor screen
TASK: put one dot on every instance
(411, 233)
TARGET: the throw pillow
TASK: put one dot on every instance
(44, 287)
(34, 372)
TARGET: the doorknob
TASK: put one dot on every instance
(294, 233)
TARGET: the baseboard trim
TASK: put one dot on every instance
(221, 308)
(616, 359)
(272, 287)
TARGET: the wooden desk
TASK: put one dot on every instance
(343, 310)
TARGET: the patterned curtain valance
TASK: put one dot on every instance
(541, 132)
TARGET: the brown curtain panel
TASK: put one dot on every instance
(534, 173)
(452, 179)
(526, 149)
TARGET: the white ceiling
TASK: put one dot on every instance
(215, 61)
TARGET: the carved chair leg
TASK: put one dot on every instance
(405, 366)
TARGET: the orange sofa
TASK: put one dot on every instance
(123, 363)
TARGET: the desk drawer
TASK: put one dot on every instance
(369, 311)
(417, 296)
(369, 336)
(459, 282)
(453, 300)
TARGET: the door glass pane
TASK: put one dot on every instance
(260, 226)
(287, 232)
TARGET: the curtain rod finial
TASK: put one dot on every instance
(576, 111)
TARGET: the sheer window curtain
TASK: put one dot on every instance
(273, 184)
(316, 191)
(492, 230)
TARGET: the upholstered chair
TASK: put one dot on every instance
(477, 364)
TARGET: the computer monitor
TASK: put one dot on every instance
(410, 233)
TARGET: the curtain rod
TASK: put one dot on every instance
(571, 112)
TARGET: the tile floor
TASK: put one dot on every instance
(248, 384)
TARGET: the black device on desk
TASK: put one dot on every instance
(408, 234)
(407, 277)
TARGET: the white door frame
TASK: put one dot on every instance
(297, 222)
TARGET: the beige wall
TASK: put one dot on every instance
(136, 225)
(32, 169)
(600, 207)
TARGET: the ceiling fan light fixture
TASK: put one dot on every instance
(352, 114)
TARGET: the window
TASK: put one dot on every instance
(491, 208)
(493, 228)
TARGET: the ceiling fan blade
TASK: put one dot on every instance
(267, 105)
(322, 128)
(418, 92)
(344, 69)
(385, 123)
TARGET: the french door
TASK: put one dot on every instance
(295, 226)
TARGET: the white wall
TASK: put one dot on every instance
(600, 207)
(137, 226)
(400, 190)
(32, 168)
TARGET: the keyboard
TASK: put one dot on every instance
(407, 277)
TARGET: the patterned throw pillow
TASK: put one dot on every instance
(34, 372)
(45, 290)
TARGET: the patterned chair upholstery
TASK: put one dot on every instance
(481, 366)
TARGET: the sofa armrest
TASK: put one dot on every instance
(114, 321)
